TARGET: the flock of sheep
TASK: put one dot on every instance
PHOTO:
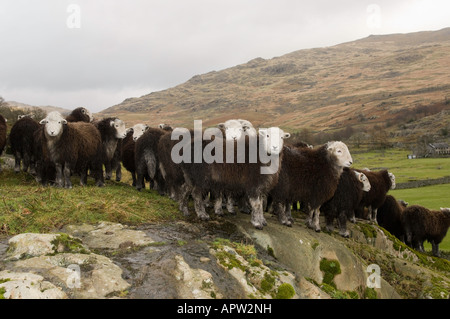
(320, 177)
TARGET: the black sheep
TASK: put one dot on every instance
(112, 130)
(2, 135)
(381, 182)
(146, 159)
(389, 216)
(80, 114)
(72, 147)
(21, 139)
(310, 176)
(420, 224)
(345, 200)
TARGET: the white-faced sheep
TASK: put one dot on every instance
(72, 147)
(389, 216)
(422, 224)
(310, 176)
(345, 200)
(2, 135)
(112, 130)
(80, 114)
(21, 139)
(381, 182)
(235, 129)
(247, 177)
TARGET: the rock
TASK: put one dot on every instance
(30, 245)
(107, 235)
(24, 285)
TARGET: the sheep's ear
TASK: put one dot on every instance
(64, 122)
(130, 129)
(44, 121)
(221, 126)
(245, 127)
(262, 132)
(286, 135)
(146, 127)
(20, 116)
(111, 123)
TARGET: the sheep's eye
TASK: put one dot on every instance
(59, 122)
(267, 135)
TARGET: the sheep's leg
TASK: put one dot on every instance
(108, 170)
(133, 176)
(26, 162)
(279, 209)
(244, 205)
(329, 218)
(67, 182)
(59, 175)
(257, 216)
(313, 220)
(198, 204)
(184, 199)
(343, 225)
(118, 172)
(17, 159)
(230, 205)
(289, 214)
(435, 249)
(374, 215)
(218, 204)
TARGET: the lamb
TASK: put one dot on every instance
(346, 198)
(80, 114)
(390, 214)
(420, 224)
(238, 178)
(72, 147)
(2, 135)
(21, 139)
(138, 130)
(310, 176)
(146, 158)
(381, 182)
(111, 130)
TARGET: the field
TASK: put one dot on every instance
(406, 170)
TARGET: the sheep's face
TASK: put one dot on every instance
(88, 113)
(54, 123)
(392, 178)
(138, 130)
(119, 127)
(233, 129)
(402, 203)
(341, 152)
(272, 139)
(364, 180)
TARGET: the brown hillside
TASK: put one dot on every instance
(360, 83)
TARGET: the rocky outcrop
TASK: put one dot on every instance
(223, 258)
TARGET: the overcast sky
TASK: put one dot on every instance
(96, 53)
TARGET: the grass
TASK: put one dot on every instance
(405, 169)
(26, 206)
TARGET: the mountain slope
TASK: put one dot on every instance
(363, 82)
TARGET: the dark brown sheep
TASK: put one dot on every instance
(2, 135)
(72, 147)
(80, 114)
(310, 176)
(112, 130)
(45, 169)
(381, 182)
(420, 224)
(146, 159)
(346, 198)
(21, 139)
(235, 179)
(389, 216)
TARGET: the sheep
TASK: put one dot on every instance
(138, 130)
(234, 129)
(346, 198)
(112, 130)
(310, 176)
(389, 216)
(72, 147)
(80, 114)
(146, 158)
(420, 224)
(2, 135)
(165, 127)
(249, 178)
(127, 155)
(381, 182)
(21, 139)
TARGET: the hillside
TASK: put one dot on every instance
(46, 109)
(361, 83)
